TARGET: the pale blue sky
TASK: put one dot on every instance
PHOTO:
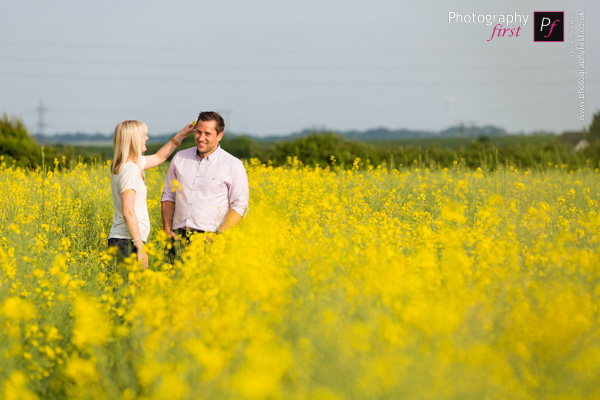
(276, 67)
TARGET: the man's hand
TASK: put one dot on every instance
(233, 219)
(170, 233)
(167, 209)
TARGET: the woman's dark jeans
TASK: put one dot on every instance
(125, 246)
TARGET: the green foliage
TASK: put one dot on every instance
(16, 144)
(243, 146)
(595, 127)
(318, 148)
(486, 152)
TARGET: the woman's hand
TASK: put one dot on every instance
(186, 131)
(143, 257)
(128, 207)
(165, 151)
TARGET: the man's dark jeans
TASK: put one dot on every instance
(177, 246)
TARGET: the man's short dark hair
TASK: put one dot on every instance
(212, 116)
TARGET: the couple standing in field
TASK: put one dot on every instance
(206, 188)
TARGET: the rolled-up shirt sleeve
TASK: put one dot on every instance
(168, 193)
(239, 194)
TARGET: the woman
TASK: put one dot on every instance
(131, 222)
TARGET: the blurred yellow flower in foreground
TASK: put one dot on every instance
(364, 282)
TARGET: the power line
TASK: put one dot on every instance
(289, 82)
(323, 51)
(271, 67)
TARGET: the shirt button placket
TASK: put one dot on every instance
(197, 175)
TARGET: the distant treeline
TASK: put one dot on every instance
(460, 131)
(328, 149)
(331, 149)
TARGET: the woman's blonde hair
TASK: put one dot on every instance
(127, 143)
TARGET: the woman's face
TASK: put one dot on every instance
(143, 140)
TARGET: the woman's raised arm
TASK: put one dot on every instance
(165, 151)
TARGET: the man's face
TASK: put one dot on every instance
(207, 138)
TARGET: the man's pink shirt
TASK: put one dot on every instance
(204, 190)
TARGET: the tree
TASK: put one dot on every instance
(594, 133)
(318, 147)
(16, 143)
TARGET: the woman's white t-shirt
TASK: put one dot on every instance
(130, 177)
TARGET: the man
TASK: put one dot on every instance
(206, 188)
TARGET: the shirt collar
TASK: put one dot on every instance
(212, 155)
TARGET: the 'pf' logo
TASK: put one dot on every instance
(548, 26)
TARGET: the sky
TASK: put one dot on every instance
(273, 67)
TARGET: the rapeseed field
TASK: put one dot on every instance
(365, 283)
